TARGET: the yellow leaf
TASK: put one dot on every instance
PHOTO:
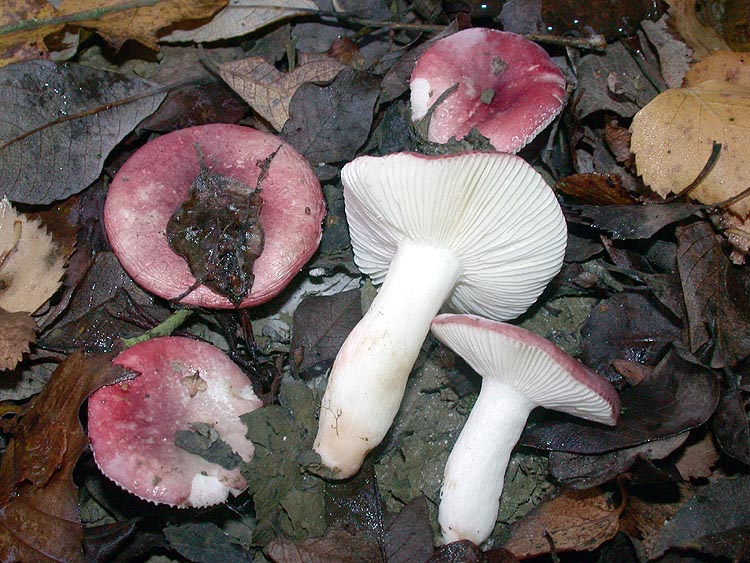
(720, 65)
(702, 39)
(269, 91)
(24, 43)
(31, 264)
(17, 331)
(673, 135)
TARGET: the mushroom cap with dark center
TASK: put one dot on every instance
(155, 180)
(132, 425)
(493, 211)
(544, 374)
(507, 87)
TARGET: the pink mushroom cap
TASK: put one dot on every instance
(508, 88)
(155, 180)
(132, 424)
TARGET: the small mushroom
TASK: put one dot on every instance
(505, 85)
(520, 371)
(480, 230)
(155, 181)
(184, 389)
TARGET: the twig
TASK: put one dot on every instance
(93, 14)
(710, 163)
(596, 42)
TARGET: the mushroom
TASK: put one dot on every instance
(520, 371)
(155, 180)
(183, 386)
(481, 230)
(506, 86)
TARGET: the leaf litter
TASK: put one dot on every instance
(653, 295)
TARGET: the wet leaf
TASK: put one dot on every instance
(635, 221)
(675, 397)
(594, 188)
(39, 516)
(216, 230)
(466, 552)
(573, 522)
(731, 427)
(329, 123)
(320, 326)
(269, 91)
(241, 17)
(31, 264)
(673, 138)
(18, 332)
(718, 328)
(714, 522)
(409, 535)
(336, 546)
(356, 504)
(700, 37)
(205, 542)
(64, 121)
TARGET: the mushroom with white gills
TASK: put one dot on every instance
(520, 371)
(506, 86)
(481, 231)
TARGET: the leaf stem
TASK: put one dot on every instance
(165, 328)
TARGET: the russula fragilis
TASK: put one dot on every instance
(182, 385)
(506, 86)
(520, 371)
(155, 180)
(482, 231)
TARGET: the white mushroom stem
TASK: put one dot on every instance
(475, 471)
(369, 376)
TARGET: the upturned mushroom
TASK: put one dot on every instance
(482, 231)
(520, 371)
(183, 386)
(505, 85)
(155, 181)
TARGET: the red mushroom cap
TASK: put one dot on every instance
(132, 425)
(508, 88)
(155, 181)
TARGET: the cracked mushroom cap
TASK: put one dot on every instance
(492, 210)
(155, 181)
(132, 425)
(507, 87)
(544, 374)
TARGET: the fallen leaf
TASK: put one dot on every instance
(727, 66)
(698, 457)
(572, 521)
(730, 425)
(18, 331)
(674, 55)
(714, 522)
(320, 325)
(702, 39)
(635, 221)
(205, 542)
(23, 44)
(39, 515)
(241, 17)
(329, 123)
(60, 126)
(336, 546)
(268, 90)
(409, 535)
(31, 264)
(594, 188)
(466, 552)
(673, 139)
(718, 327)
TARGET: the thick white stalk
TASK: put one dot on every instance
(369, 375)
(474, 474)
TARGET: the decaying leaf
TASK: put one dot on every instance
(39, 515)
(570, 522)
(18, 330)
(31, 264)
(60, 125)
(673, 138)
(241, 17)
(727, 66)
(113, 19)
(674, 55)
(701, 38)
(216, 230)
(269, 91)
(336, 546)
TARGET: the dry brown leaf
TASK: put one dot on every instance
(17, 331)
(269, 91)
(241, 17)
(698, 458)
(31, 264)
(32, 21)
(574, 521)
(673, 135)
(701, 38)
(720, 65)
